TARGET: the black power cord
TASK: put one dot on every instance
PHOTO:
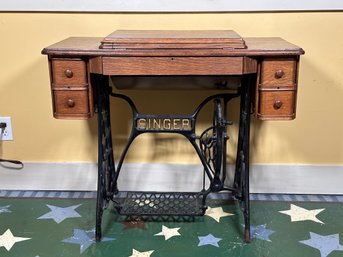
(16, 162)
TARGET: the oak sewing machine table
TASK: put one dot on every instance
(80, 69)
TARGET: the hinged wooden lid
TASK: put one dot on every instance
(172, 39)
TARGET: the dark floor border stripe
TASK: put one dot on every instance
(253, 197)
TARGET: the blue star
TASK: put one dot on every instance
(325, 244)
(59, 214)
(84, 238)
(261, 232)
(209, 240)
(4, 209)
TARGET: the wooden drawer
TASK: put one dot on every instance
(71, 72)
(278, 72)
(71, 104)
(276, 105)
(122, 66)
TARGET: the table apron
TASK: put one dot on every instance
(160, 66)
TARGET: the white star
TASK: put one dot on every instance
(168, 232)
(136, 253)
(4, 209)
(59, 214)
(298, 214)
(7, 239)
(217, 213)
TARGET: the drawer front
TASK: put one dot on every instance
(276, 105)
(278, 72)
(122, 66)
(71, 104)
(69, 72)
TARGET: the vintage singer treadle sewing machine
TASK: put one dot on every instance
(80, 68)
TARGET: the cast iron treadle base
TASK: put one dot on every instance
(161, 203)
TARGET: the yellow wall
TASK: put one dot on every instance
(315, 137)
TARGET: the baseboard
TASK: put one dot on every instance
(264, 178)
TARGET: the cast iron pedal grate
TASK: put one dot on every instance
(161, 204)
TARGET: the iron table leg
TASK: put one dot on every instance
(241, 181)
(106, 168)
(107, 173)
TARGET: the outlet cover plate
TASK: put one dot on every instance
(6, 133)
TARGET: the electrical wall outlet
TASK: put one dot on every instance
(6, 133)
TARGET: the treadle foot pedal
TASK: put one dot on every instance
(160, 203)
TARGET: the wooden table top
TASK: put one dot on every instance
(274, 61)
(89, 46)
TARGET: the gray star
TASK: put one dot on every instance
(209, 240)
(58, 214)
(4, 209)
(84, 238)
(325, 244)
(261, 232)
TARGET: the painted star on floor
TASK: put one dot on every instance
(209, 240)
(84, 238)
(59, 214)
(325, 244)
(136, 253)
(261, 232)
(168, 232)
(5, 209)
(7, 239)
(299, 214)
(217, 213)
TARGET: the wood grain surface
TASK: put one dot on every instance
(175, 53)
(172, 65)
(76, 67)
(286, 67)
(268, 110)
(89, 46)
(64, 110)
(173, 39)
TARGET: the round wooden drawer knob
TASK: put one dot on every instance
(279, 74)
(69, 73)
(277, 105)
(71, 103)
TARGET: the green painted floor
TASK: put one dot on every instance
(65, 228)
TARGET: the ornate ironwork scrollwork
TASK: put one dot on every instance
(210, 146)
(212, 143)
